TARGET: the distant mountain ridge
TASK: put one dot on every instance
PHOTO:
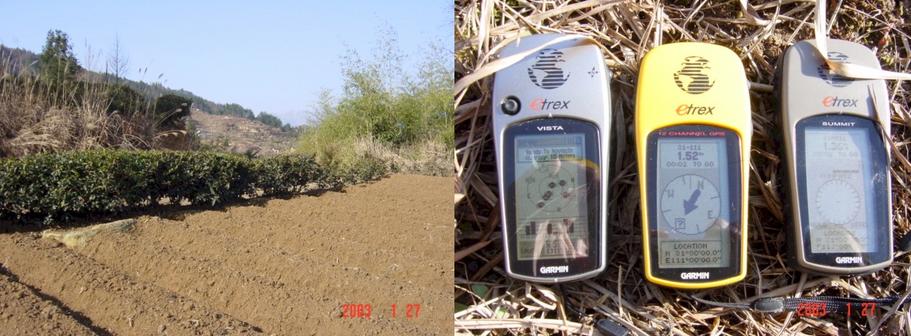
(18, 60)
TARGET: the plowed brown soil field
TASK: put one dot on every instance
(287, 267)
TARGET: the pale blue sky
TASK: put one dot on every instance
(271, 56)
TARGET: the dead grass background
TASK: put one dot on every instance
(486, 301)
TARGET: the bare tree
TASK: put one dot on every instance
(117, 62)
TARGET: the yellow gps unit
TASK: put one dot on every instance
(693, 131)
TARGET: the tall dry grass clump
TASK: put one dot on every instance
(41, 111)
(430, 157)
(38, 116)
(487, 299)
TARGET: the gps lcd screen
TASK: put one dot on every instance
(551, 197)
(840, 190)
(693, 202)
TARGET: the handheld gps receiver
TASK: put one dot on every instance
(693, 131)
(551, 116)
(836, 160)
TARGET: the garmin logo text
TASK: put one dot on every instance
(694, 275)
(554, 269)
(550, 128)
(694, 110)
(834, 101)
(838, 123)
(543, 104)
(849, 260)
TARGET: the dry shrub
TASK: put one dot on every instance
(39, 117)
(487, 299)
(427, 157)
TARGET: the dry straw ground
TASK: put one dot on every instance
(486, 299)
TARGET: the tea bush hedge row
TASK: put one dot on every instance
(60, 185)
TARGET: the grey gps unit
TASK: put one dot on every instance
(837, 163)
(551, 121)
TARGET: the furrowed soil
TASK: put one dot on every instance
(287, 267)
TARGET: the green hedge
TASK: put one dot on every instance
(61, 185)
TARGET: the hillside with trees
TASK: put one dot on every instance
(58, 58)
(50, 102)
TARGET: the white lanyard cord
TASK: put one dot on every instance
(849, 70)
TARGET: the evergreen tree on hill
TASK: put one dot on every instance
(269, 119)
(57, 62)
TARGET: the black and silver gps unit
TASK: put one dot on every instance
(837, 162)
(551, 116)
